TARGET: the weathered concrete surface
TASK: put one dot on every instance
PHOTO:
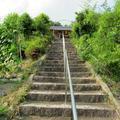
(46, 100)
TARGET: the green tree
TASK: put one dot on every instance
(86, 23)
(10, 31)
(25, 24)
(42, 23)
(11, 26)
(8, 48)
(99, 42)
(56, 24)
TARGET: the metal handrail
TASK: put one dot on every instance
(67, 76)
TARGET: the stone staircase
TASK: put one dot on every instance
(46, 99)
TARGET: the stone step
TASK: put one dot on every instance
(62, 86)
(60, 42)
(40, 118)
(75, 80)
(61, 69)
(46, 100)
(57, 43)
(61, 52)
(61, 61)
(61, 74)
(88, 97)
(62, 65)
(62, 118)
(57, 58)
(69, 50)
(68, 44)
(58, 110)
(68, 47)
(61, 57)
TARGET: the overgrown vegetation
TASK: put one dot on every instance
(20, 37)
(8, 104)
(23, 41)
(97, 39)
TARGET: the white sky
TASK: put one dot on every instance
(58, 10)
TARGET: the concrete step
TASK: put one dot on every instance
(46, 99)
(61, 74)
(88, 97)
(62, 86)
(62, 65)
(61, 58)
(75, 80)
(62, 118)
(61, 52)
(61, 43)
(68, 45)
(60, 55)
(69, 50)
(40, 118)
(58, 110)
(61, 61)
(61, 47)
(61, 69)
(73, 66)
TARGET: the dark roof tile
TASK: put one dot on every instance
(60, 28)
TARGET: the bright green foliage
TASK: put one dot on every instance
(3, 111)
(36, 46)
(25, 24)
(8, 42)
(15, 37)
(99, 42)
(42, 23)
(86, 23)
(11, 26)
(56, 24)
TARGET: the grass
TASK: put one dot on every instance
(17, 93)
(9, 104)
(113, 85)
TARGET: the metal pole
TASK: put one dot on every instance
(65, 74)
(67, 77)
(74, 110)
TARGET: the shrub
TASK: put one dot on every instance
(25, 24)
(3, 111)
(86, 23)
(99, 40)
(36, 46)
(42, 24)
